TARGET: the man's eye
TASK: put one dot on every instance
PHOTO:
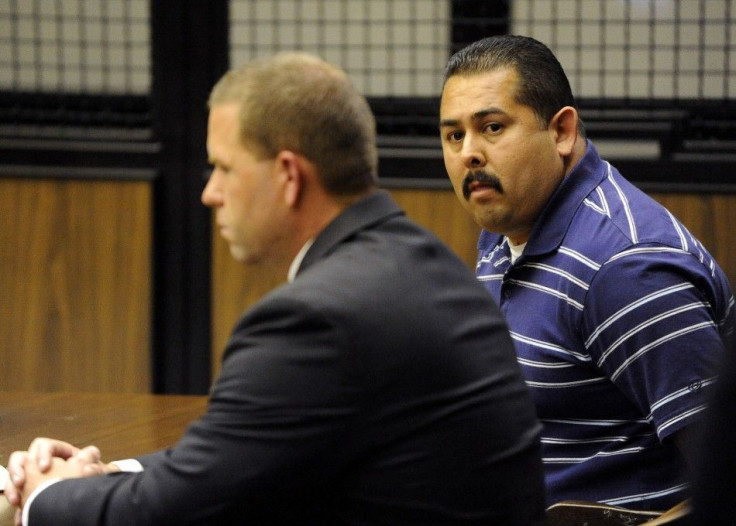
(493, 127)
(455, 136)
(219, 169)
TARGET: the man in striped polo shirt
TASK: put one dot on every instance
(619, 315)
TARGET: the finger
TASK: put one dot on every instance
(42, 450)
(87, 462)
(49, 447)
(89, 454)
(11, 493)
(16, 468)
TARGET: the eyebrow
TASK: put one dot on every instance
(478, 115)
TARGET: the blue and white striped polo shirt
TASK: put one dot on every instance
(618, 315)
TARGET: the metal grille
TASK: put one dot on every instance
(611, 49)
(638, 49)
(80, 47)
(63, 61)
(389, 48)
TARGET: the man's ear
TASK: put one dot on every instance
(291, 175)
(565, 125)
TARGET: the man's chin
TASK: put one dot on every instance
(489, 221)
(240, 255)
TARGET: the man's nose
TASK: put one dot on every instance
(211, 195)
(472, 152)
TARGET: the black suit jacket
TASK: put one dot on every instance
(380, 387)
(714, 481)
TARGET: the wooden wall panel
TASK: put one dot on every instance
(441, 212)
(75, 285)
(710, 217)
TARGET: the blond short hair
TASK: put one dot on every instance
(296, 101)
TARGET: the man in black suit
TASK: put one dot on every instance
(714, 482)
(378, 386)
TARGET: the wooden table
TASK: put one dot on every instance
(121, 425)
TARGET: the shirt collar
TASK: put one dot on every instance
(552, 224)
(294, 267)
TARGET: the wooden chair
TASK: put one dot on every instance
(582, 513)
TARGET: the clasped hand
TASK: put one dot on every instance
(48, 459)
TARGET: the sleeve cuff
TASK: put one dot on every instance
(129, 465)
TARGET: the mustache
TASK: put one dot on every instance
(483, 178)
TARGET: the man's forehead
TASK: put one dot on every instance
(478, 95)
(224, 112)
(223, 121)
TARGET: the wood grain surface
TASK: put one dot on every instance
(121, 425)
(75, 285)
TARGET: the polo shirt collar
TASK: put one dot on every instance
(554, 221)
